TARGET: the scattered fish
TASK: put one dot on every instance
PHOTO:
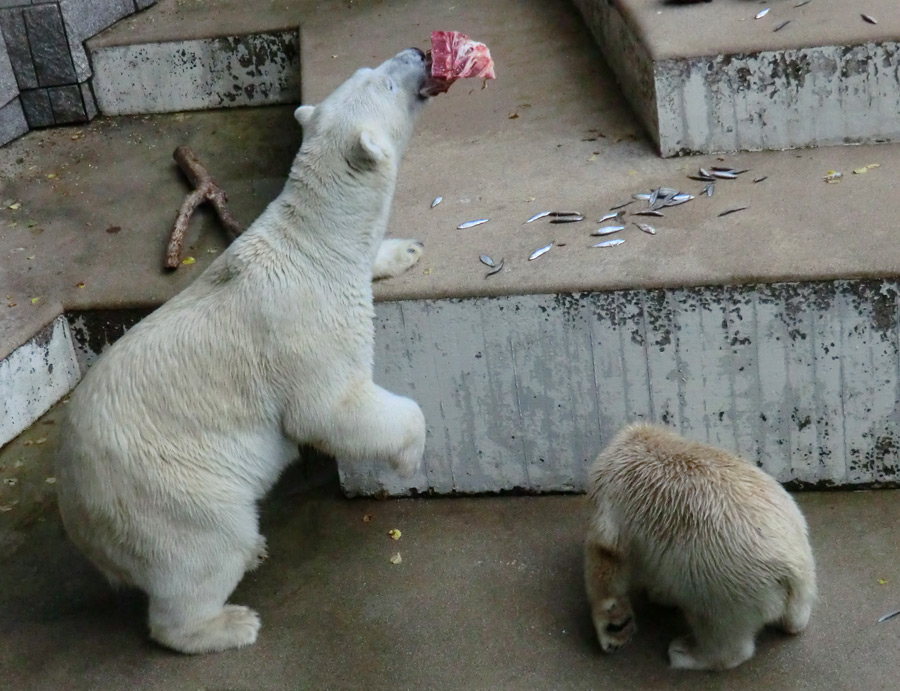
(471, 224)
(663, 201)
(621, 206)
(437, 200)
(710, 189)
(486, 260)
(762, 13)
(732, 211)
(608, 230)
(805, 2)
(610, 217)
(642, 196)
(539, 252)
(704, 173)
(560, 214)
(761, 178)
(610, 243)
(869, 18)
(495, 270)
(890, 615)
(701, 178)
(781, 26)
(650, 230)
(537, 216)
(654, 196)
(725, 174)
(651, 212)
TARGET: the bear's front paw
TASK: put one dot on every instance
(395, 256)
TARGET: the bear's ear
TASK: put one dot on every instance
(372, 148)
(304, 114)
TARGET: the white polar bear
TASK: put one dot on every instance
(186, 422)
(699, 529)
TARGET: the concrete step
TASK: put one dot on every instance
(195, 56)
(710, 78)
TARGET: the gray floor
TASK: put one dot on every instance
(488, 596)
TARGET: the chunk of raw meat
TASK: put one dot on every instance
(455, 56)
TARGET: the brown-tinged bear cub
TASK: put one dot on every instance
(698, 529)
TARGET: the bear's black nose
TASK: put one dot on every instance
(419, 51)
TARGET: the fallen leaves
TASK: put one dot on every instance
(394, 534)
(396, 559)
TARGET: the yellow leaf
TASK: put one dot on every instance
(15, 206)
(36, 300)
(881, 581)
(394, 533)
(188, 260)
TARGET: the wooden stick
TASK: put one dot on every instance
(206, 190)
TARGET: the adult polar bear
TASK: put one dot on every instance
(187, 421)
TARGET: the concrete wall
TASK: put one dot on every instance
(522, 392)
(43, 62)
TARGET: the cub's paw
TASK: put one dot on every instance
(681, 655)
(395, 256)
(615, 625)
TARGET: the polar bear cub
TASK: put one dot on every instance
(187, 421)
(699, 529)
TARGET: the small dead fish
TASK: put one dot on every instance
(868, 18)
(650, 230)
(781, 26)
(701, 178)
(663, 201)
(680, 198)
(887, 616)
(610, 243)
(437, 200)
(732, 211)
(642, 196)
(704, 173)
(561, 214)
(654, 196)
(486, 260)
(621, 206)
(471, 224)
(667, 191)
(568, 219)
(805, 2)
(762, 13)
(539, 252)
(725, 174)
(710, 189)
(608, 230)
(651, 212)
(495, 270)
(537, 216)
(610, 217)
(760, 179)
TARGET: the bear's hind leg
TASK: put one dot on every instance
(188, 610)
(607, 591)
(717, 643)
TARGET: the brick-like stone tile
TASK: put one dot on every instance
(90, 103)
(67, 105)
(12, 24)
(85, 18)
(36, 104)
(50, 48)
(9, 88)
(12, 121)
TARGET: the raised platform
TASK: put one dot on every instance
(548, 351)
(197, 56)
(710, 78)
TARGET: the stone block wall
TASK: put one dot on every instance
(44, 70)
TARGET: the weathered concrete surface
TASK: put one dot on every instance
(488, 596)
(226, 72)
(521, 392)
(35, 376)
(827, 78)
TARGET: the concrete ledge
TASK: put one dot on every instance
(35, 376)
(521, 392)
(739, 86)
(224, 72)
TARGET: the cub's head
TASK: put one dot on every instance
(367, 121)
(614, 622)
